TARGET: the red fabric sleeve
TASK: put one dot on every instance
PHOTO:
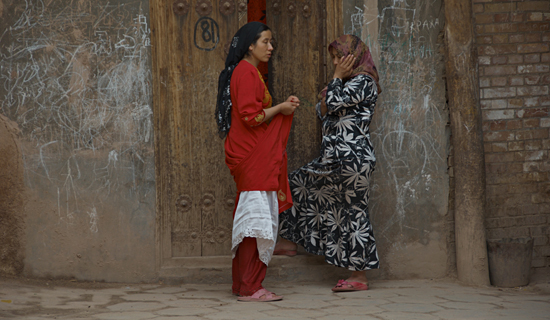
(249, 95)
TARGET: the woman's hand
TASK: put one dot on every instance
(290, 105)
(344, 67)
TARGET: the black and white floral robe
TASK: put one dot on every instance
(330, 215)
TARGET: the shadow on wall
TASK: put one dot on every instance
(12, 193)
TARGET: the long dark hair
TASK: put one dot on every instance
(247, 35)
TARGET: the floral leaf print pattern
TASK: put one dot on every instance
(330, 215)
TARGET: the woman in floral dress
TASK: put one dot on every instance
(330, 214)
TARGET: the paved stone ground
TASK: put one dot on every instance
(397, 299)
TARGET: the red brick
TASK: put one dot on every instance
(533, 37)
(545, 122)
(477, 8)
(515, 58)
(532, 90)
(545, 101)
(546, 36)
(499, 81)
(499, 136)
(546, 16)
(545, 79)
(484, 18)
(508, 233)
(484, 82)
(532, 134)
(531, 166)
(484, 60)
(521, 188)
(497, 114)
(494, 104)
(533, 68)
(499, 17)
(500, 70)
(517, 17)
(500, 168)
(531, 123)
(499, 92)
(500, 38)
(533, 144)
(546, 144)
(532, 102)
(513, 103)
(499, 147)
(485, 40)
(533, 6)
(500, 59)
(479, 29)
(532, 47)
(537, 155)
(516, 81)
(534, 16)
(516, 38)
(533, 113)
(501, 7)
(531, 220)
(497, 125)
(532, 26)
(532, 58)
(499, 157)
(532, 79)
(506, 27)
(545, 57)
(516, 145)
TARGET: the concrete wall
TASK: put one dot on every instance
(513, 42)
(75, 77)
(409, 205)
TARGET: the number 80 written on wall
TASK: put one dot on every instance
(207, 34)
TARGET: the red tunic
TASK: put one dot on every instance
(255, 152)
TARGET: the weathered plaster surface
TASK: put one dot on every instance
(75, 77)
(409, 132)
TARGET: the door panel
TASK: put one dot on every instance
(298, 68)
(195, 192)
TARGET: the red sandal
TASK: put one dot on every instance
(344, 286)
(261, 295)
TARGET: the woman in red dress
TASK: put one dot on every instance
(256, 134)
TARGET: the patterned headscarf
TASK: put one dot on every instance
(350, 44)
(237, 50)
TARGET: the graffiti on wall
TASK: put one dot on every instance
(409, 127)
(76, 78)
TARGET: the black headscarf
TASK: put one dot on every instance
(237, 50)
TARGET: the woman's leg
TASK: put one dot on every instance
(358, 276)
(284, 244)
(251, 269)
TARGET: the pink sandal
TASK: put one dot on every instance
(344, 286)
(261, 295)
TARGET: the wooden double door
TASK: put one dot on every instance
(195, 191)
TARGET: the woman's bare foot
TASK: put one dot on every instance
(285, 247)
(358, 276)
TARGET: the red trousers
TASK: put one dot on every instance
(248, 270)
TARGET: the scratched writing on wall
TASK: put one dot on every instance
(409, 127)
(76, 78)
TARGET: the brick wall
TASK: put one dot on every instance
(513, 42)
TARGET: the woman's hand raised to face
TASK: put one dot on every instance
(290, 105)
(344, 67)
